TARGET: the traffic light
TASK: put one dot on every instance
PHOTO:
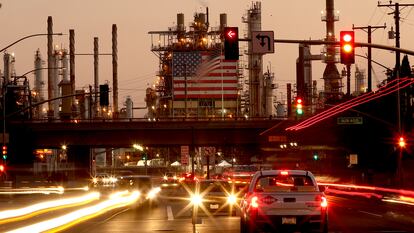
(231, 43)
(4, 152)
(315, 156)
(347, 47)
(299, 106)
(104, 95)
(401, 142)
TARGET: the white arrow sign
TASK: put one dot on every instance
(263, 42)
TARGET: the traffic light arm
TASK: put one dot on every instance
(336, 43)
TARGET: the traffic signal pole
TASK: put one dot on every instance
(369, 31)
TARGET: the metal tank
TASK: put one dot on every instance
(129, 107)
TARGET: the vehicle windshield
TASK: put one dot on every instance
(285, 183)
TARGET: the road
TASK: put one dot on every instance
(346, 215)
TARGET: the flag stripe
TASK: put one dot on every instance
(206, 96)
(206, 73)
(205, 89)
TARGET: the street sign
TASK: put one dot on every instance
(185, 155)
(349, 121)
(263, 42)
(353, 159)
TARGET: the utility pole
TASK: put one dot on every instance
(397, 27)
(368, 29)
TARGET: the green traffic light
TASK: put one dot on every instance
(299, 111)
(315, 157)
(4, 157)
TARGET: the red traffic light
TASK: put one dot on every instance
(401, 142)
(347, 45)
(299, 106)
(231, 43)
(231, 33)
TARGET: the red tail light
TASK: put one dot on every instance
(322, 200)
(1, 168)
(254, 202)
(284, 173)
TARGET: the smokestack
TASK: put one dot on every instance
(96, 72)
(115, 70)
(50, 64)
(207, 23)
(72, 62)
(223, 21)
(180, 22)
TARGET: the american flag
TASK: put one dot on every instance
(208, 75)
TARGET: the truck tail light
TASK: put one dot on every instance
(254, 202)
(323, 201)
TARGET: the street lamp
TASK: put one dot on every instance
(4, 89)
(29, 36)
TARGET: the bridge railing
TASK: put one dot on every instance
(163, 119)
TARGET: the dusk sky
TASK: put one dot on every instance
(294, 19)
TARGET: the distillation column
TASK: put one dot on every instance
(255, 63)
(331, 77)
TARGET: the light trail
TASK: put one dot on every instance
(373, 188)
(78, 216)
(352, 103)
(39, 208)
(51, 190)
(351, 106)
(347, 105)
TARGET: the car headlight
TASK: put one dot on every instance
(113, 179)
(153, 193)
(232, 199)
(196, 199)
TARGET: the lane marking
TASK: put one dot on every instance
(170, 213)
(376, 215)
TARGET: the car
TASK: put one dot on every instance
(103, 182)
(217, 196)
(169, 180)
(143, 184)
(284, 200)
(188, 178)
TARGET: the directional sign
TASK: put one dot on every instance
(263, 42)
(185, 155)
(349, 121)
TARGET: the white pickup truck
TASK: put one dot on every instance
(284, 200)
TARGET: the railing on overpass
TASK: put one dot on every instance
(156, 119)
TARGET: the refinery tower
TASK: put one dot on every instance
(194, 79)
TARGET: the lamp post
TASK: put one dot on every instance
(29, 36)
(4, 86)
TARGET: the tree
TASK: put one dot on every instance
(405, 69)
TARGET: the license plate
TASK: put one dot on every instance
(288, 220)
(214, 206)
